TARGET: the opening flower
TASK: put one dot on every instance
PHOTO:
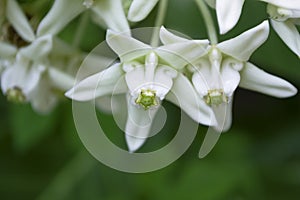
(107, 13)
(217, 74)
(147, 76)
(285, 15)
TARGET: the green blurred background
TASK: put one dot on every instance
(41, 157)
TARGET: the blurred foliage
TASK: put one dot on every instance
(259, 158)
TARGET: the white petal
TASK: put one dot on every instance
(168, 37)
(125, 46)
(38, 48)
(255, 79)
(100, 84)
(230, 76)
(23, 76)
(163, 80)
(288, 32)
(228, 13)
(200, 83)
(60, 14)
(19, 21)
(7, 50)
(184, 96)
(242, 46)
(289, 4)
(138, 125)
(223, 113)
(92, 64)
(43, 100)
(135, 79)
(180, 54)
(112, 13)
(206, 77)
(140, 9)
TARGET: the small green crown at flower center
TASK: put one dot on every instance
(215, 97)
(147, 98)
(15, 95)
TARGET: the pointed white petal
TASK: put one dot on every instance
(288, 32)
(163, 80)
(19, 21)
(112, 13)
(180, 54)
(100, 84)
(228, 13)
(138, 126)
(206, 77)
(242, 46)
(43, 100)
(125, 46)
(289, 4)
(38, 48)
(230, 76)
(200, 83)
(61, 13)
(140, 9)
(7, 50)
(168, 37)
(223, 114)
(92, 64)
(135, 79)
(184, 96)
(255, 79)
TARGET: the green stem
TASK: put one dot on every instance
(212, 33)
(80, 29)
(162, 10)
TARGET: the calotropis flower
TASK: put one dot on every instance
(217, 74)
(140, 9)
(29, 76)
(285, 15)
(146, 76)
(228, 13)
(109, 12)
(27, 73)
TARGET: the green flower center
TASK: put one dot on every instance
(215, 97)
(15, 95)
(147, 98)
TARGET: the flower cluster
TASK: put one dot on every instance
(200, 76)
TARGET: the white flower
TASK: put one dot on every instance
(140, 9)
(217, 74)
(146, 76)
(228, 13)
(27, 75)
(109, 13)
(285, 15)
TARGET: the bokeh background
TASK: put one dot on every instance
(41, 157)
